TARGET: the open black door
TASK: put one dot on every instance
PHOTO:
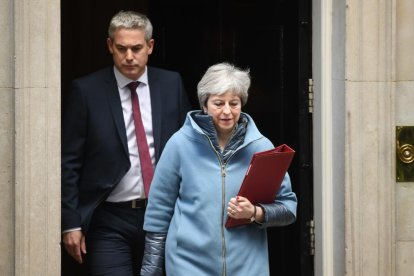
(272, 38)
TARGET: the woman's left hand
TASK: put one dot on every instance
(240, 207)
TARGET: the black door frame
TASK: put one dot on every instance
(305, 89)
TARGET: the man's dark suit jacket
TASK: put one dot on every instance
(94, 144)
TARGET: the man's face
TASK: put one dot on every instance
(130, 51)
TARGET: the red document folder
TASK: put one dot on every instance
(263, 178)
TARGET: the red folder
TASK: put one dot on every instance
(263, 178)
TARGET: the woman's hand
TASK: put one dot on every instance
(240, 207)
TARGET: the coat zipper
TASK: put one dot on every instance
(223, 197)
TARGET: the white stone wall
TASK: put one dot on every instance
(369, 141)
(6, 139)
(30, 137)
(404, 115)
(364, 56)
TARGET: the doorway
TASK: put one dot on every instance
(271, 38)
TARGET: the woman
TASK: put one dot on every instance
(195, 183)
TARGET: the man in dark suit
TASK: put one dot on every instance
(104, 176)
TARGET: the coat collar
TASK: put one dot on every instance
(192, 128)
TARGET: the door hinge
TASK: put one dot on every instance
(311, 225)
(310, 95)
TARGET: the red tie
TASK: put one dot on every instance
(147, 169)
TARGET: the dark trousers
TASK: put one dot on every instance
(70, 267)
(115, 241)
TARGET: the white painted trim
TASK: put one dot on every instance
(326, 131)
(323, 129)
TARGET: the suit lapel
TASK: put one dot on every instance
(156, 109)
(114, 101)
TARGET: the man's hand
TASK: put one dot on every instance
(74, 243)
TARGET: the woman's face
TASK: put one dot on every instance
(225, 110)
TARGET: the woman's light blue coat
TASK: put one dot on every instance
(188, 201)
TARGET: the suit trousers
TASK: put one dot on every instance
(115, 241)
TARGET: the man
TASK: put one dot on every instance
(107, 165)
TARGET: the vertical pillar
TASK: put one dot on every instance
(37, 137)
(369, 138)
(6, 139)
(328, 71)
(404, 116)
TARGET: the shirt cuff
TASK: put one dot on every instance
(71, 230)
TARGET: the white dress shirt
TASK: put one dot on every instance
(131, 185)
